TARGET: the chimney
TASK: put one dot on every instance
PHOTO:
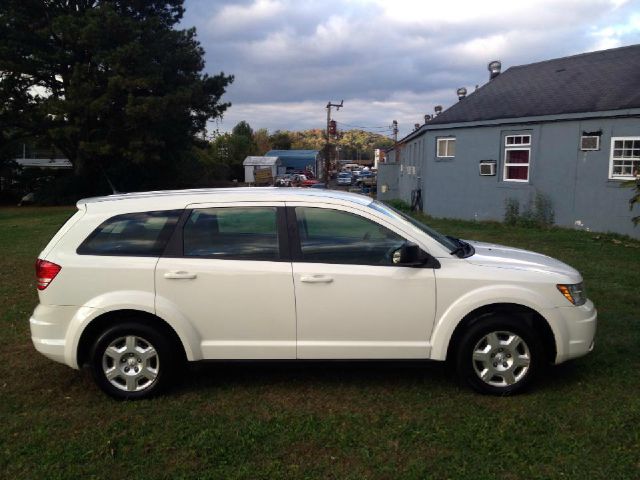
(461, 92)
(437, 109)
(494, 69)
(427, 118)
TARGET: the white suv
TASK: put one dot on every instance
(133, 285)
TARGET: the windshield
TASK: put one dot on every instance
(447, 242)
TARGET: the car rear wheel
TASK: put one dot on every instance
(499, 355)
(132, 360)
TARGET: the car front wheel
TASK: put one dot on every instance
(499, 355)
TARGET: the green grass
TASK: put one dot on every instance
(377, 420)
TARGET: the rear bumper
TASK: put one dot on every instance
(49, 327)
(575, 331)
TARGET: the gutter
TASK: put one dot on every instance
(632, 112)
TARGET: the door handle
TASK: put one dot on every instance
(179, 275)
(316, 279)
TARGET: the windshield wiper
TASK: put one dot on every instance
(462, 248)
(459, 248)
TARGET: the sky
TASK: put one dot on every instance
(387, 59)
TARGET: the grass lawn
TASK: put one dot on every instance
(373, 420)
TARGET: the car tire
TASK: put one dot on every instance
(133, 360)
(499, 355)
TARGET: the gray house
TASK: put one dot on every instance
(567, 128)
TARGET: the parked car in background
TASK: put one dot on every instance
(299, 180)
(284, 180)
(134, 285)
(345, 178)
(306, 172)
(351, 166)
(366, 178)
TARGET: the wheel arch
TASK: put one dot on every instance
(535, 320)
(97, 325)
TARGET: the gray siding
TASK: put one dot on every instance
(576, 182)
(388, 181)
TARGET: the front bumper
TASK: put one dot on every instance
(574, 329)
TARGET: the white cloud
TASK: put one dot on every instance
(375, 115)
(234, 17)
(387, 58)
(614, 35)
(438, 15)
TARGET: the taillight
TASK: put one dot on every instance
(45, 273)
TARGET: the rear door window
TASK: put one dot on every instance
(241, 233)
(132, 234)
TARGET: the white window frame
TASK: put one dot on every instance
(520, 136)
(612, 176)
(597, 147)
(510, 145)
(446, 141)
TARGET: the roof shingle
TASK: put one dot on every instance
(589, 82)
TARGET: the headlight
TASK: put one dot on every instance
(574, 293)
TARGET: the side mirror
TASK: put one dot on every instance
(410, 255)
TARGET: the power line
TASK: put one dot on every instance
(366, 127)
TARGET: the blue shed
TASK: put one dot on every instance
(295, 160)
(567, 129)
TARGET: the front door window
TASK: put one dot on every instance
(333, 236)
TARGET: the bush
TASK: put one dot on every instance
(543, 213)
(635, 199)
(511, 211)
(538, 213)
(9, 197)
(62, 188)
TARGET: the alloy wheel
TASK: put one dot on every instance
(131, 363)
(501, 358)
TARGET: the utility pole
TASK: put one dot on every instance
(327, 160)
(394, 125)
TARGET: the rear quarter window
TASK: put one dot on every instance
(132, 234)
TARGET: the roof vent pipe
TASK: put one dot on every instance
(461, 92)
(494, 69)
(437, 109)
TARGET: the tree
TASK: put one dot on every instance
(314, 139)
(360, 144)
(113, 84)
(280, 140)
(224, 155)
(261, 139)
(243, 129)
